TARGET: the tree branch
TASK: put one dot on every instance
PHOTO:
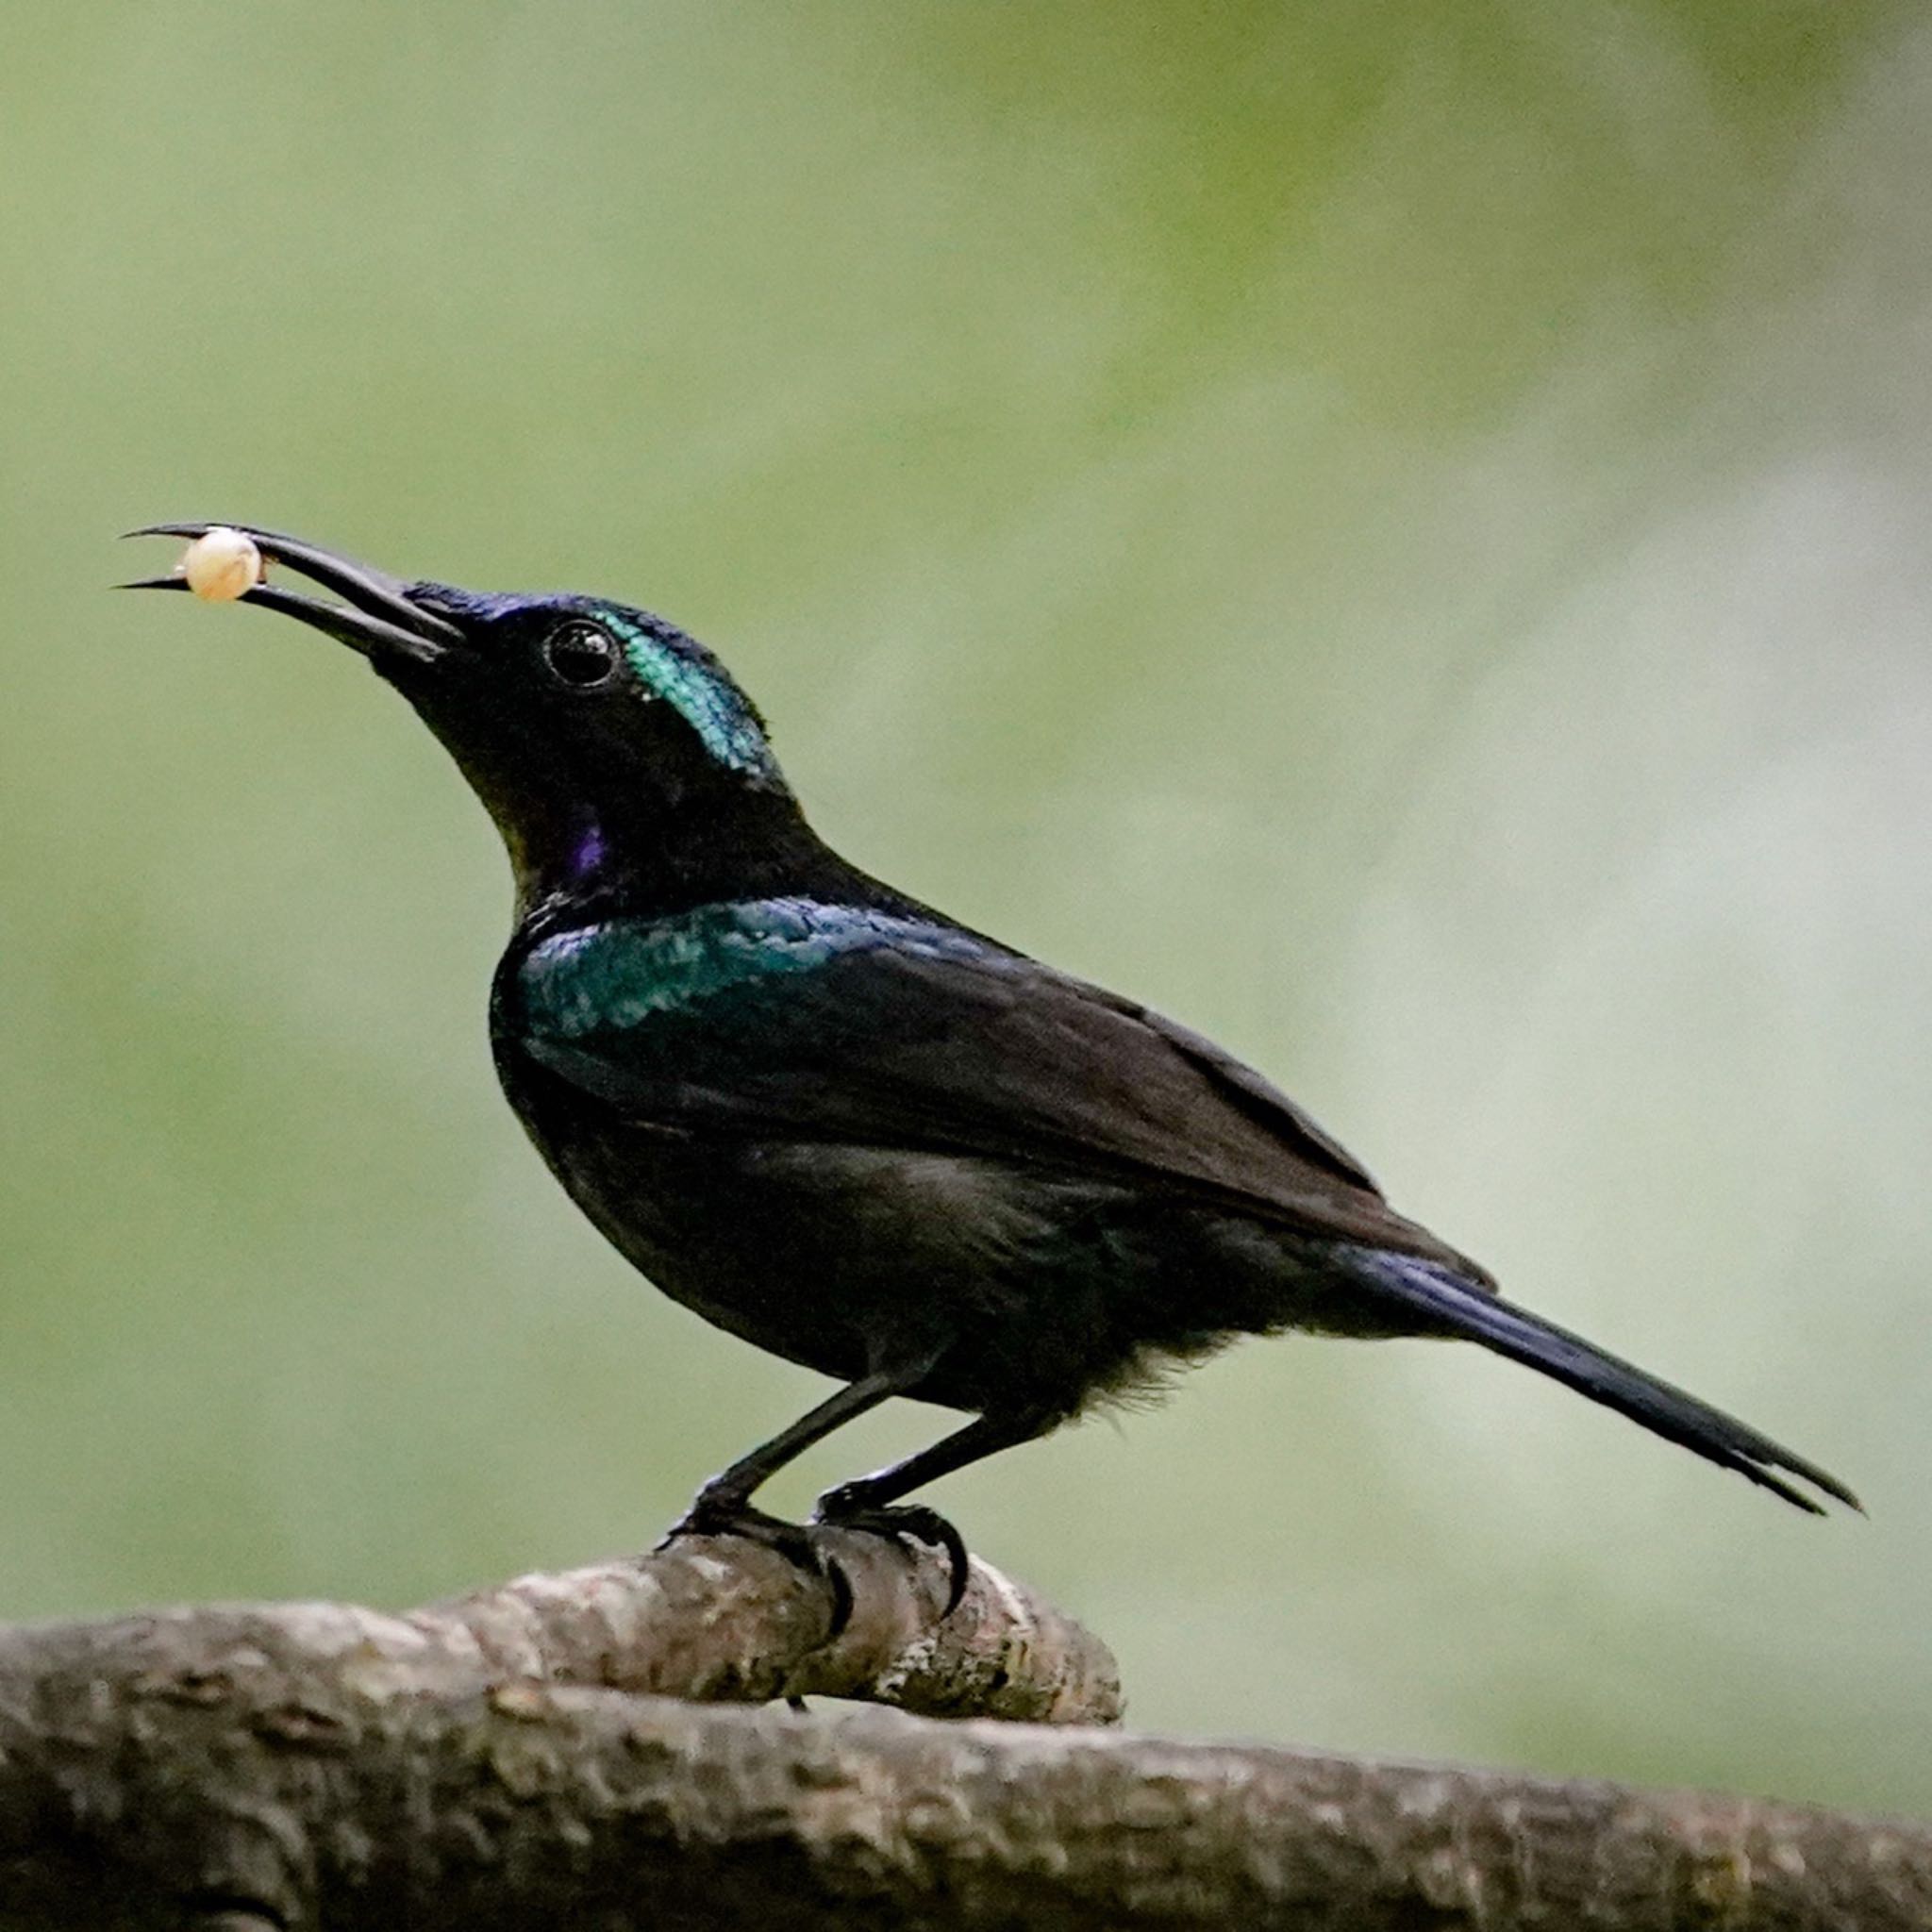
(503, 1760)
(721, 1619)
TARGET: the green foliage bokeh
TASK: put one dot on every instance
(1396, 534)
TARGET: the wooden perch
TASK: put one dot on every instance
(719, 1618)
(508, 1760)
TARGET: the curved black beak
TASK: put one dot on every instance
(379, 617)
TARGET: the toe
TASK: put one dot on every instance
(906, 1522)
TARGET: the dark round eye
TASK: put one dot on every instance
(580, 654)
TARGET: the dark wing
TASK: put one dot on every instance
(966, 1049)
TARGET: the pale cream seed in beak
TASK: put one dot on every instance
(222, 564)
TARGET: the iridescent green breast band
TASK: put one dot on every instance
(605, 978)
(708, 700)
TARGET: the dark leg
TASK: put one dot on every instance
(724, 1504)
(866, 1502)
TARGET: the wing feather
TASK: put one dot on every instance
(967, 1048)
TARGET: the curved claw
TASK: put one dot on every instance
(791, 1540)
(846, 1509)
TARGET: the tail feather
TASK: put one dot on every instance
(1459, 1308)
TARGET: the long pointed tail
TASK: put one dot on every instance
(1455, 1307)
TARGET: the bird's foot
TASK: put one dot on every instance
(711, 1515)
(715, 1514)
(726, 1515)
(846, 1507)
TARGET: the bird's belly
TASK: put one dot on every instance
(1024, 1288)
(843, 1258)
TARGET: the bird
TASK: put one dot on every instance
(856, 1132)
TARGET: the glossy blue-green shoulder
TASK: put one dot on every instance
(620, 974)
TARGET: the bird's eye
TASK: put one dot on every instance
(581, 656)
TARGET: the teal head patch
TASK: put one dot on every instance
(685, 676)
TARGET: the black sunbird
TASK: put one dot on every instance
(849, 1129)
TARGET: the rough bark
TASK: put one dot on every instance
(507, 1760)
(719, 1618)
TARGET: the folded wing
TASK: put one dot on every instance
(930, 1038)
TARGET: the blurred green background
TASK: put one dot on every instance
(1397, 534)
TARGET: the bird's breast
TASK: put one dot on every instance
(621, 975)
